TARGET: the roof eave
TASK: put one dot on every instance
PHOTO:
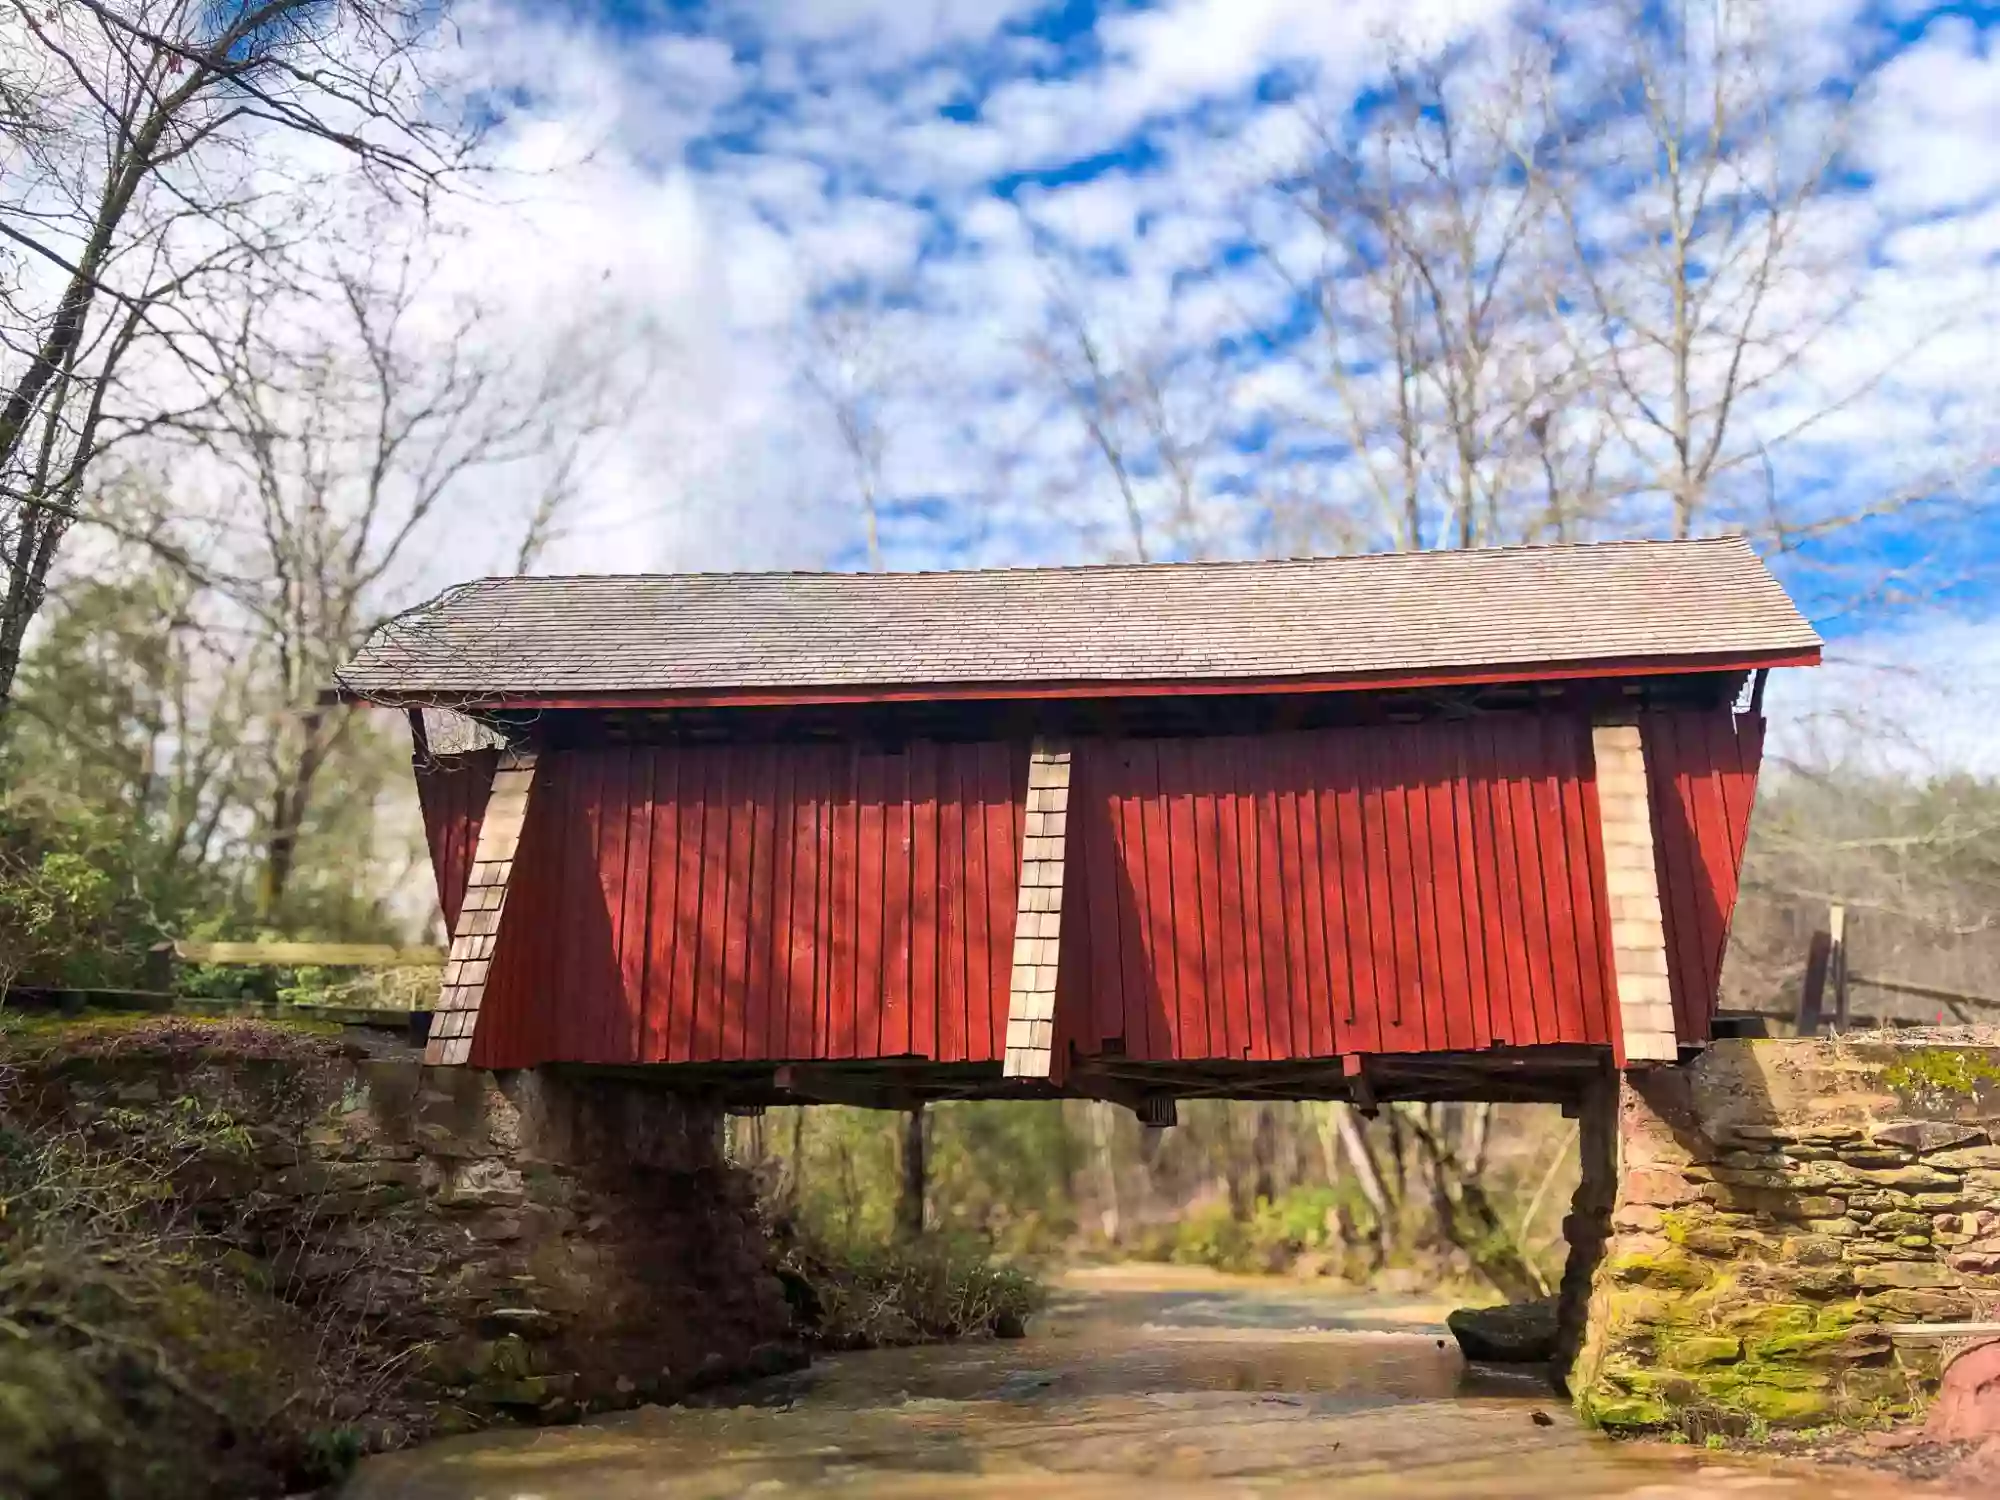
(803, 695)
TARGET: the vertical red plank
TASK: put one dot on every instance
(1414, 761)
(1714, 869)
(1263, 890)
(581, 889)
(924, 915)
(712, 917)
(1507, 936)
(1746, 737)
(1163, 927)
(1368, 998)
(1123, 884)
(1479, 977)
(1205, 875)
(780, 889)
(1284, 893)
(897, 857)
(979, 997)
(844, 993)
(1187, 938)
(1325, 991)
(1528, 872)
(1264, 989)
(691, 839)
(807, 810)
(1583, 908)
(663, 862)
(638, 897)
(1003, 793)
(1454, 984)
(870, 830)
(1675, 863)
(608, 1012)
(952, 1004)
(760, 796)
(1552, 847)
(1094, 834)
(829, 983)
(1396, 920)
(1215, 766)
(736, 905)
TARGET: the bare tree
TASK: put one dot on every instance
(851, 369)
(1693, 177)
(1592, 275)
(143, 138)
(346, 454)
(1428, 369)
(1146, 409)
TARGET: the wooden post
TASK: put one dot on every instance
(910, 1208)
(1836, 963)
(1812, 994)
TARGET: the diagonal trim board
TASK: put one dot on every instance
(1632, 879)
(472, 945)
(1031, 988)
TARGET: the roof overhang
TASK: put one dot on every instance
(1033, 691)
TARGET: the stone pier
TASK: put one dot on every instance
(1780, 1208)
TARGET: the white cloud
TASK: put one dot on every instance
(1930, 144)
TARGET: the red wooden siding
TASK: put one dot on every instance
(452, 792)
(1701, 781)
(1403, 889)
(717, 903)
(1389, 889)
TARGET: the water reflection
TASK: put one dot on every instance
(1135, 1385)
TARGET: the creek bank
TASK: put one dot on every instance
(236, 1255)
(1783, 1209)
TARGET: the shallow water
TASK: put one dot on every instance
(1136, 1383)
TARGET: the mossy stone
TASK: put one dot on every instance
(1796, 1346)
(1626, 1411)
(1782, 1407)
(1670, 1269)
(1699, 1352)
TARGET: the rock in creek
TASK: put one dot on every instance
(1521, 1334)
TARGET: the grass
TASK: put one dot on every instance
(857, 1296)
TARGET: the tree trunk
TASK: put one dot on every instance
(910, 1207)
(1107, 1169)
(289, 804)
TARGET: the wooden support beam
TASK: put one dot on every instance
(470, 960)
(1031, 988)
(1632, 879)
(838, 1086)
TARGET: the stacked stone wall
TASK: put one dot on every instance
(484, 1246)
(1782, 1208)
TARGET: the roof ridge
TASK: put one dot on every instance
(1159, 566)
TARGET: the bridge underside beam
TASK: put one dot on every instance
(1557, 1075)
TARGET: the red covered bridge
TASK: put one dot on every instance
(1444, 824)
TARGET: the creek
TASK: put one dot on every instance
(1137, 1382)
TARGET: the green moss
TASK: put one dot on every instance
(1940, 1070)
(1783, 1407)
(1617, 1411)
(1796, 1346)
(1682, 1353)
(1671, 1269)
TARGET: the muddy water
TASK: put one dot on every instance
(1134, 1384)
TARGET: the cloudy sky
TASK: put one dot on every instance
(904, 211)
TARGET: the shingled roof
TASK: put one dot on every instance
(1689, 603)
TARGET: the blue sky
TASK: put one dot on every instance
(909, 216)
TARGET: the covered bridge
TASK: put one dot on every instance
(1448, 824)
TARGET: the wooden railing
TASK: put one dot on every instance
(1826, 997)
